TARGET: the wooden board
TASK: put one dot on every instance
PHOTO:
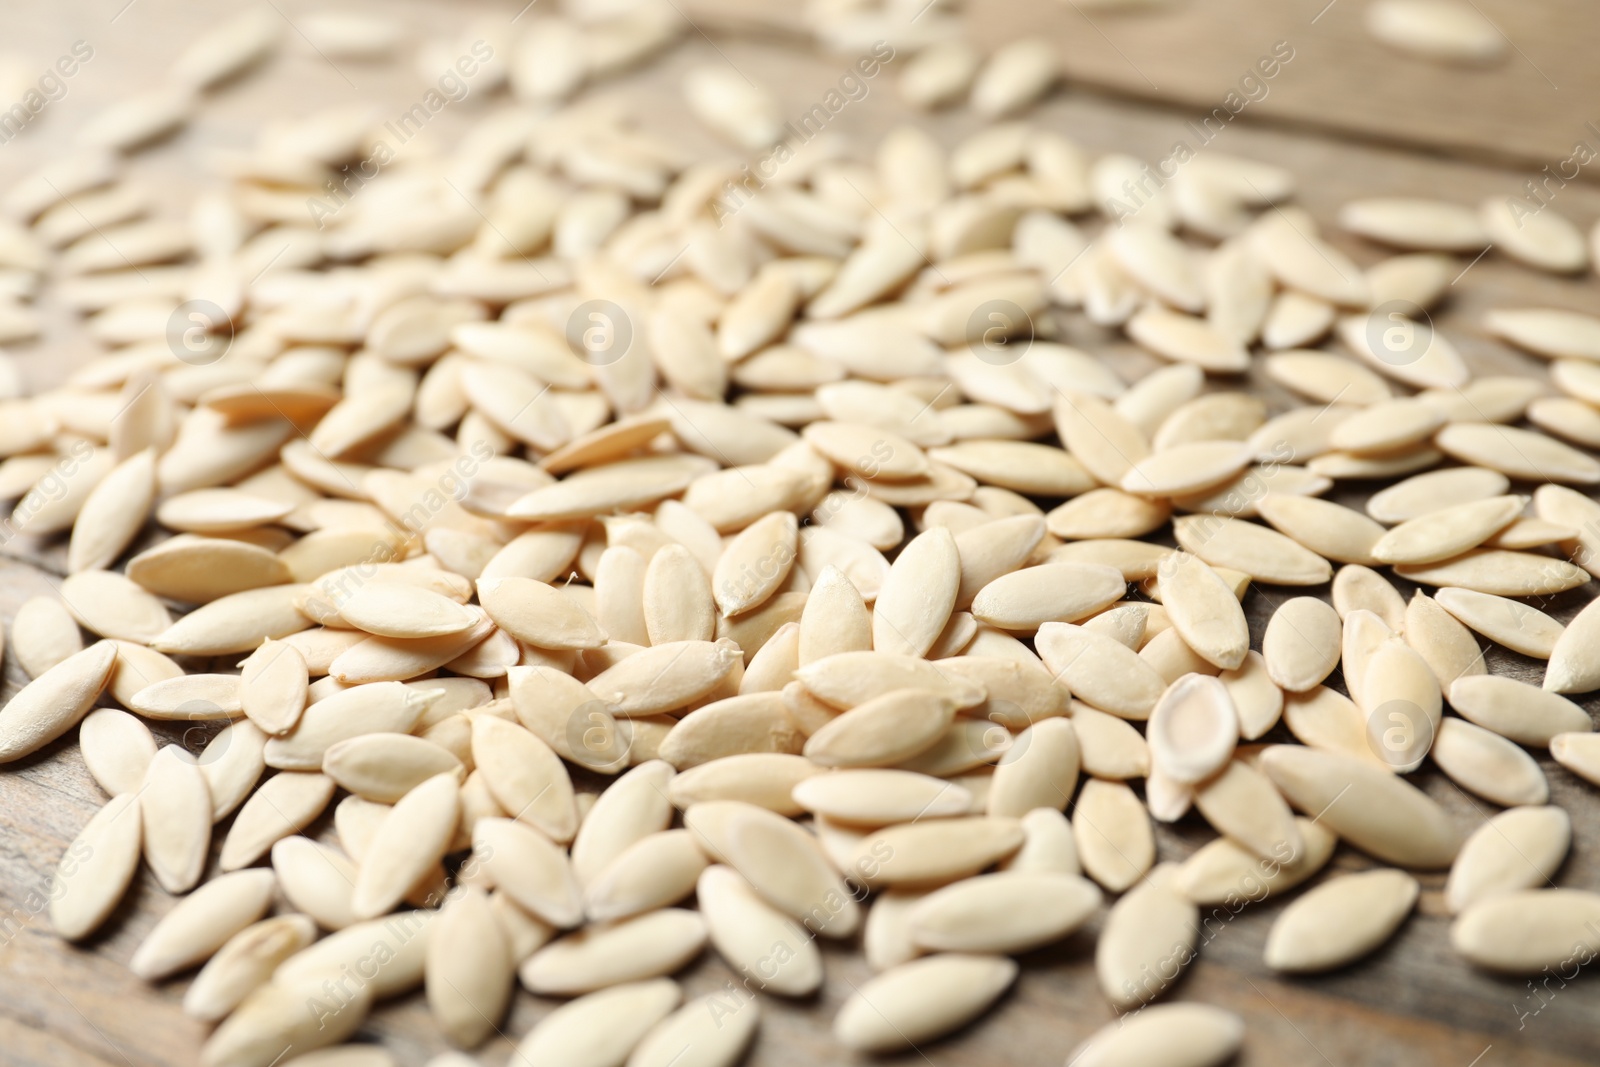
(1524, 110)
(1414, 1003)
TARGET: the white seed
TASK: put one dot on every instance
(1193, 729)
(1151, 928)
(1168, 1035)
(921, 1000)
(1340, 921)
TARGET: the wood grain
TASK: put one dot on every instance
(1525, 110)
(1414, 1003)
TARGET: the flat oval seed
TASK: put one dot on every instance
(1547, 331)
(385, 767)
(1102, 439)
(664, 677)
(1340, 921)
(1517, 849)
(1325, 378)
(883, 731)
(786, 866)
(175, 807)
(1006, 913)
(538, 613)
(1112, 831)
(526, 777)
(1204, 610)
(678, 603)
(1387, 426)
(654, 872)
(758, 722)
(755, 563)
(1262, 553)
(1214, 873)
(285, 804)
(634, 807)
(1040, 770)
(1578, 753)
(1302, 643)
(1328, 529)
(96, 869)
(1187, 468)
(316, 879)
(1522, 454)
(1305, 262)
(921, 1000)
(880, 797)
(1099, 670)
(1257, 700)
(1047, 847)
(1164, 1035)
(1109, 747)
(232, 763)
(202, 922)
(1525, 931)
(647, 946)
(1574, 661)
(43, 634)
(1376, 812)
(1400, 698)
(469, 972)
(117, 749)
(396, 609)
(409, 842)
(601, 1028)
(1058, 592)
(279, 1018)
(395, 949)
(1186, 339)
(1506, 622)
(1433, 225)
(1241, 804)
(1448, 531)
(918, 594)
(1498, 572)
(1193, 729)
(244, 963)
(747, 931)
(699, 1034)
(1424, 493)
(1485, 763)
(847, 679)
(272, 686)
(766, 779)
(1542, 239)
(1516, 710)
(52, 703)
(933, 851)
(1148, 936)
(1358, 588)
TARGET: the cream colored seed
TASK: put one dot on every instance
(1340, 921)
(514, 533)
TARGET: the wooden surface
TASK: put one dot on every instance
(1414, 1003)
(1525, 110)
